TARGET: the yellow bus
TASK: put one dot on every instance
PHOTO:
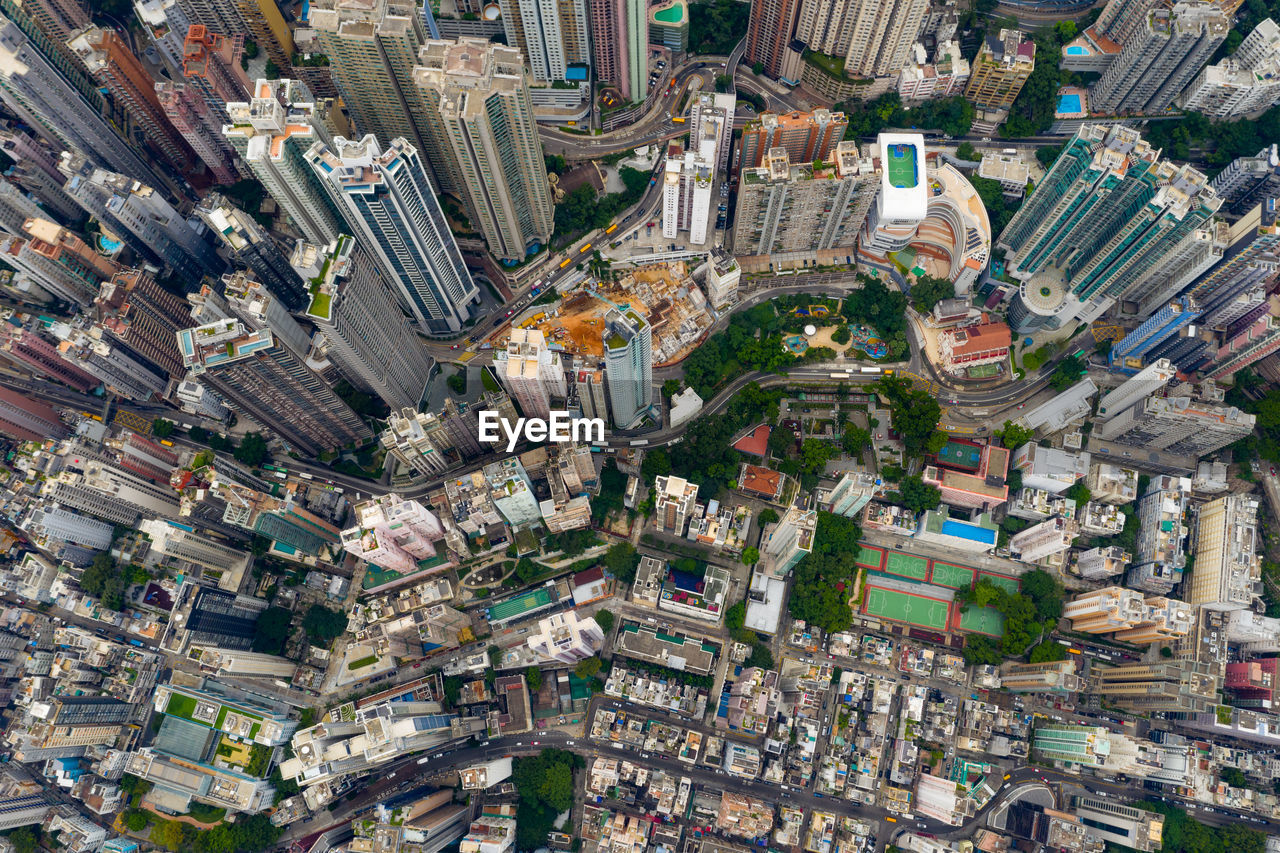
(565, 262)
(678, 119)
(611, 228)
(585, 247)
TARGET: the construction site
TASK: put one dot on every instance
(663, 294)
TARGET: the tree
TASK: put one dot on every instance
(457, 382)
(979, 650)
(1067, 373)
(914, 415)
(1079, 493)
(757, 68)
(135, 820)
(587, 667)
(842, 335)
(917, 495)
(1013, 436)
(656, 464)
(855, 439)
(670, 388)
(533, 678)
(1234, 777)
(162, 428)
(604, 618)
(104, 580)
(767, 516)
(169, 834)
(323, 625)
(527, 570)
(750, 556)
(760, 656)
(723, 82)
(271, 630)
(781, 441)
(929, 290)
(1047, 651)
(966, 151)
(1047, 154)
(252, 450)
(621, 561)
(716, 27)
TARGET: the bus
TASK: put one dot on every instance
(166, 442)
(678, 120)
(869, 369)
(585, 247)
(565, 262)
(611, 228)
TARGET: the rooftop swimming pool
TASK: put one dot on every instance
(673, 14)
(1077, 50)
(1069, 103)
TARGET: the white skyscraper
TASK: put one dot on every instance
(1148, 381)
(566, 638)
(388, 199)
(271, 133)
(716, 108)
(788, 541)
(531, 373)
(628, 359)
(689, 180)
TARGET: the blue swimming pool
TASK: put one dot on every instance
(972, 532)
(1068, 103)
(1077, 50)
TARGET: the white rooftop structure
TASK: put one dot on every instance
(903, 190)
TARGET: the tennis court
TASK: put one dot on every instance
(951, 576)
(982, 620)
(907, 565)
(1009, 584)
(899, 606)
(902, 165)
(960, 455)
(869, 557)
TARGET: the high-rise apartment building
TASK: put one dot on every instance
(1246, 82)
(145, 317)
(86, 267)
(1146, 383)
(805, 136)
(388, 200)
(372, 46)
(211, 64)
(1198, 252)
(24, 344)
(566, 638)
(673, 503)
(32, 86)
(272, 132)
(190, 114)
(551, 34)
(1049, 677)
(1238, 285)
(1160, 557)
(789, 540)
(1178, 425)
(396, 534)
(369, 338)
(1228, 565)
(50, 25)
(620, 45)
(266, 27)
(531, 373)
(109, 491)
(481, 120)
(28, 420)
(1112, 210)
(1247, 341)
(1178, 686)
(628, 360)
(791, 210)
(176, 541)
(688, 184)
(1044, 540)
(96, 352)
(769, 30)
(1116, 609)
(873, 37)
(852, 492)
(1157, 328)
(250, 246)
(1160, 58)
(261, 374)
(1102, 562)
(143, 219)
(420, 441)
(112, 64)
(999, 71)
(1249, 181)
(713, 113)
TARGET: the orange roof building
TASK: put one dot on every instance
(761, 481)
(971, 346)
(755, 442)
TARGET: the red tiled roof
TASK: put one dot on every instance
(755, 442)
(589, 576)
(762, 481)
(982, 338)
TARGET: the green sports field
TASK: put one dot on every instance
(902, 166)
(907, 566)
(903, 607)
(870, 557)
(1010, 584)
(951, 576)
(982, 620)
(520, 604)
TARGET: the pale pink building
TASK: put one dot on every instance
(395, 534)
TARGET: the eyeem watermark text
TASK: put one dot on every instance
(560, 429)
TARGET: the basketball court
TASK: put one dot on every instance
(907, 566)
(902, 165)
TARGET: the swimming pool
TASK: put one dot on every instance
(1069, 103)
(1077, 50)
(673, 14)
